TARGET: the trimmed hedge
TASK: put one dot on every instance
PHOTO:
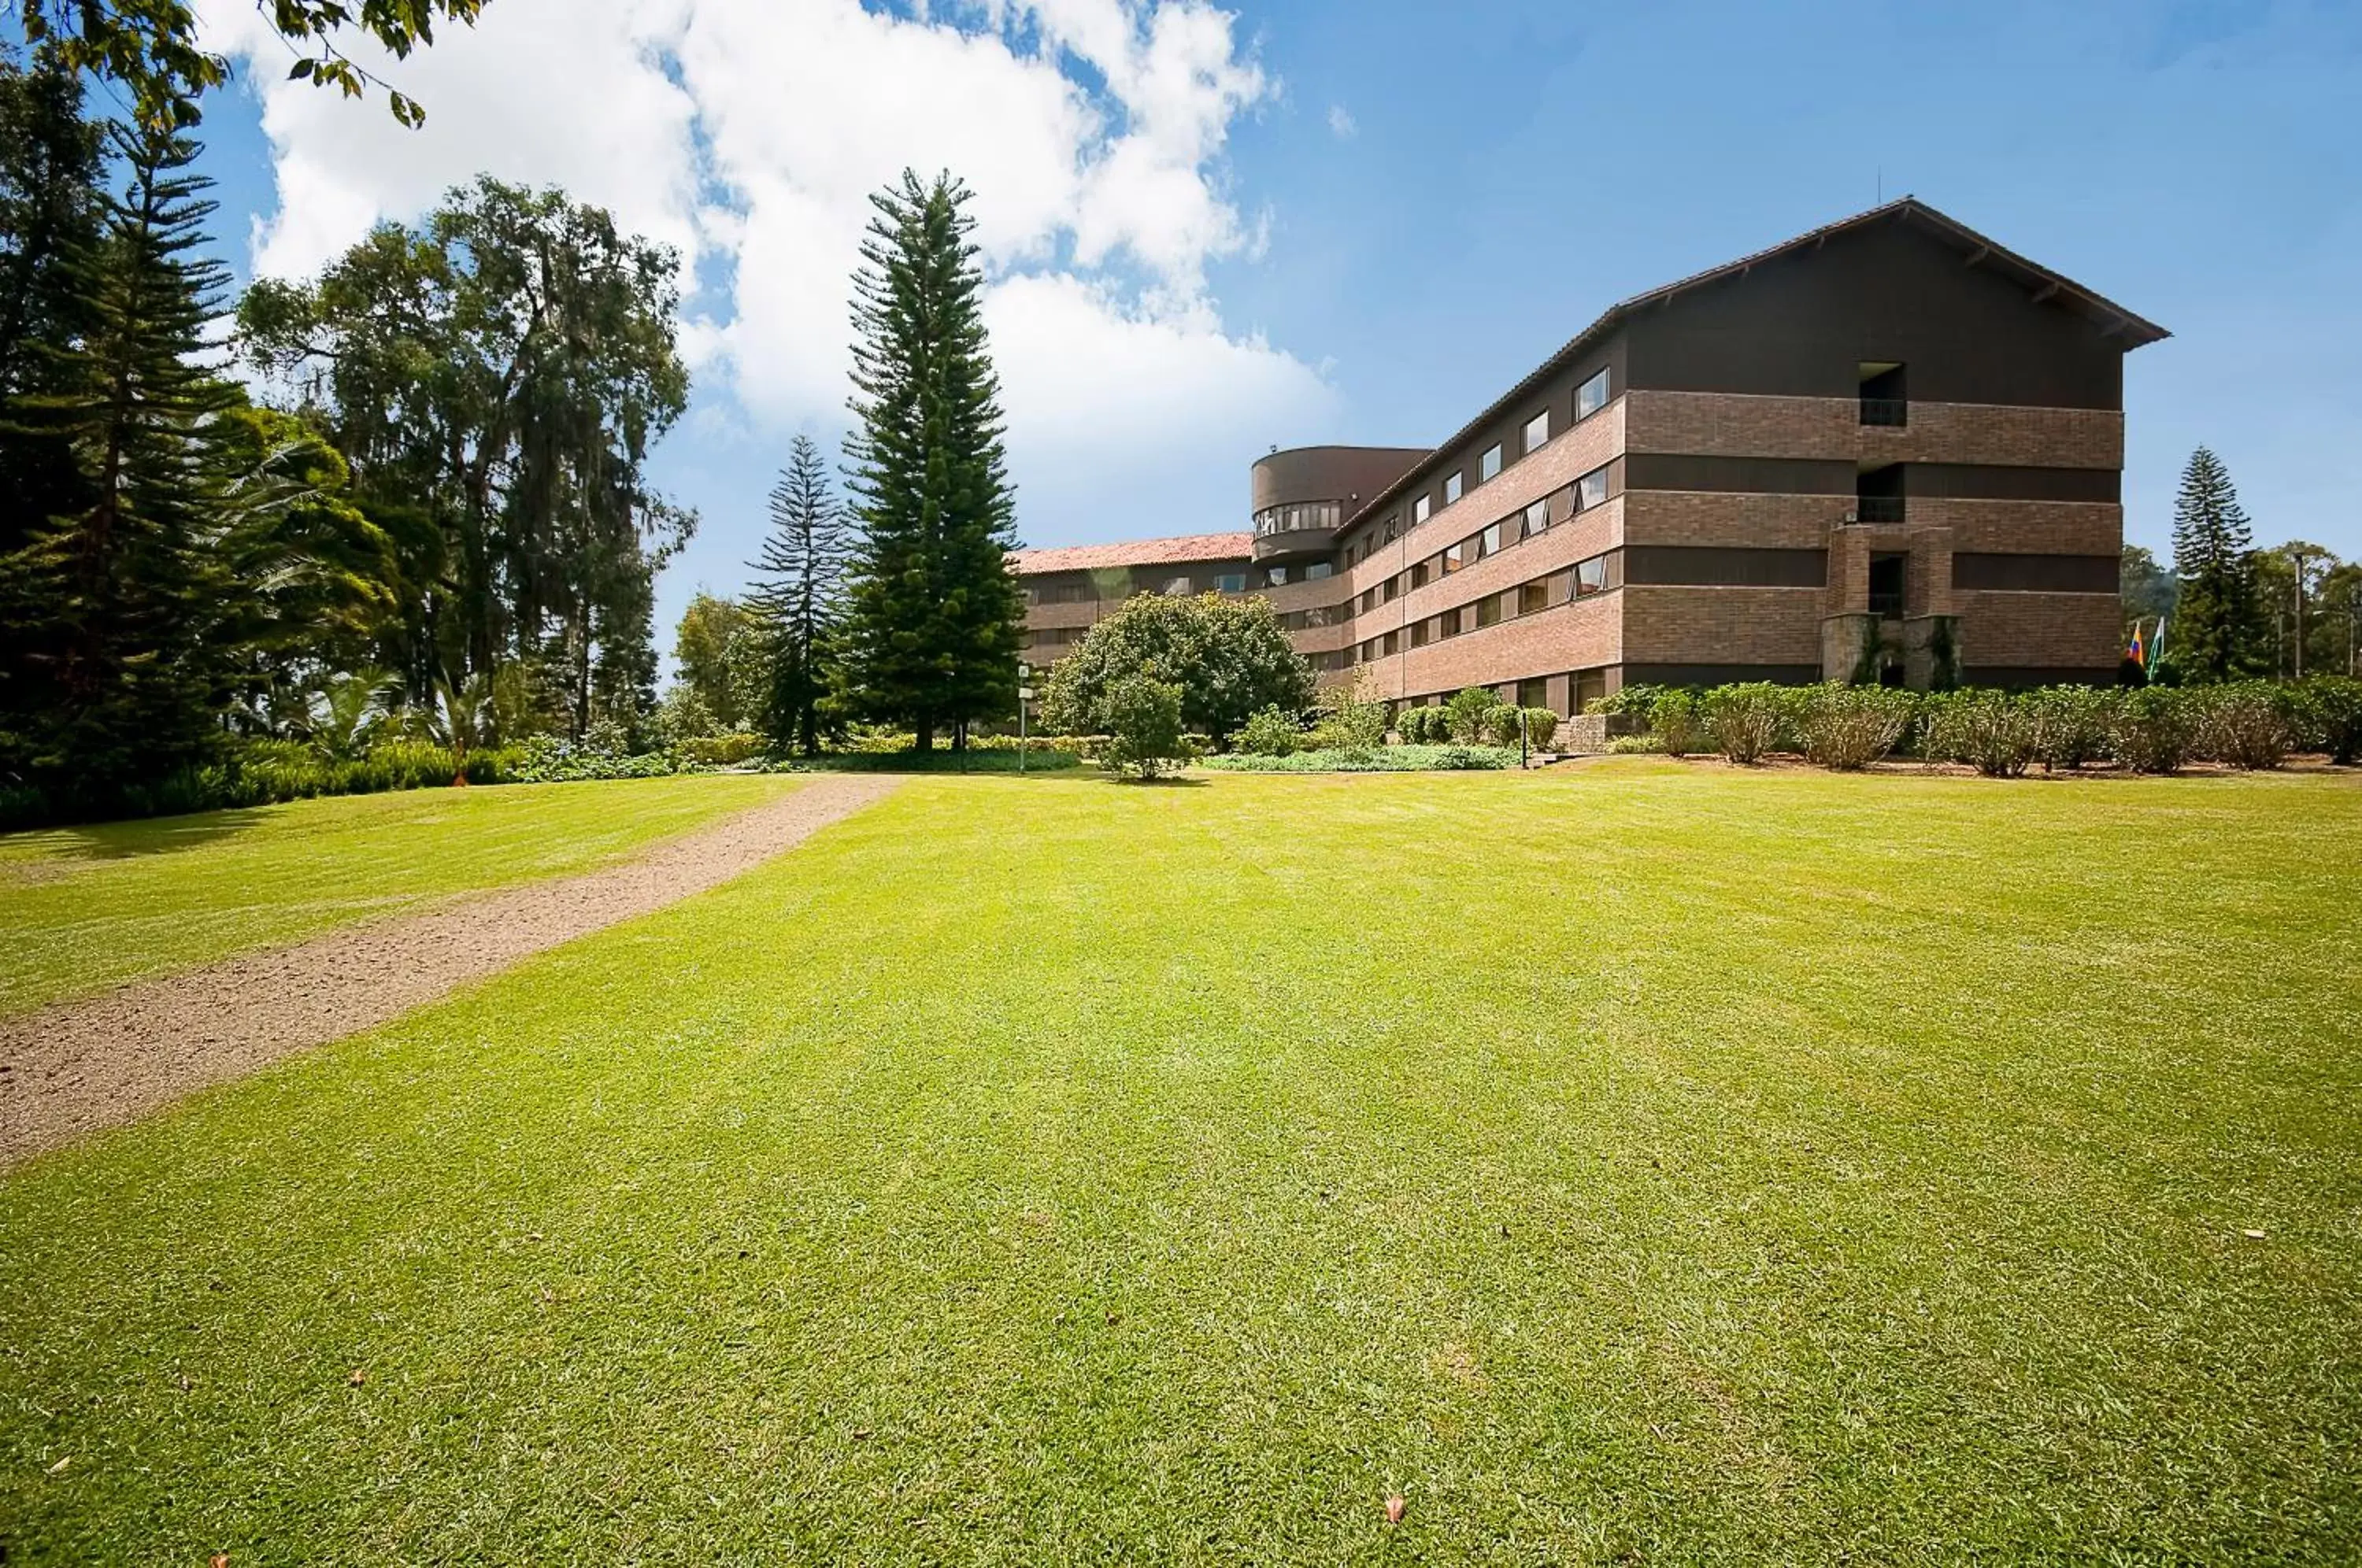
(1404, 758)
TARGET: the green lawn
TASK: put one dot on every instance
(88, 908)
(1631, 1163)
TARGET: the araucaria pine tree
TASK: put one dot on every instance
(933, 606)
(801, 598)
(116, 600)
(2217, 622)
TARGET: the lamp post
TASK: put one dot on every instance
(1024, 695)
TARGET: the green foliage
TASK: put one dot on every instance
(1271, 733)
(2329, 716)
(1750, 720)
(1992, 731)
(2218, 629)
(2071, 725)
(1350, 718)
(1404, 758)
(800, 603)
(496, 377)
(2155, 729)
(1505, 725)
(1650, 745)
(1469, 714)
(261, 773)
(2148, 587)
(726, 750)
(1847, 728)
(1422, 724)
(1639, 697)
(2248, 723)
(153, 47)
(933, 608)
(121, 617)
(1677, 716)
(716, 648)
(1228, 656)
(1144, 723)
(1541, 728)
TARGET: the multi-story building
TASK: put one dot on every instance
(1889, 450)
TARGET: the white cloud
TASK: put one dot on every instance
(750, 133)
(1341, 123)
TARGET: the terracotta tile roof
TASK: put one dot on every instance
(1134, 553)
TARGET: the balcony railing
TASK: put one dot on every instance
(1878, 508)
(1885, 411)
(1886, 601)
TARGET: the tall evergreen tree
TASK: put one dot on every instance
(51, 211)
(801, 598)
(2217, 628)
(116, 665)
(931, 633)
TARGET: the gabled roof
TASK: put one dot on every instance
(1187, 548)
(2045, 286)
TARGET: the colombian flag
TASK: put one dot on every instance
(2138, 652)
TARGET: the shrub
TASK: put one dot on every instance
(1638, 699)
(1380, 759)
(1677, 717)
(1849, 727)
(1270, 733)
(1633, 746)
(726, 750)
(1228, 656)
(1990, 731)
(2071, 725)
(1350, 718)
(2329, 716)
(2248, 723)
(1748, 720)
(1469, 714)
(1505, 725)
(1145, 734)
(1425, 724)
(1541, 728)
(2154, 728)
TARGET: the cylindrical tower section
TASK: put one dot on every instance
(1302, 496)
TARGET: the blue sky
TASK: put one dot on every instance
(1215, 231)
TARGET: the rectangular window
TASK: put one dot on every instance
(1455, 557)
(1230, 582)
(1536, 519)
(1533, 598)
(1452, 486)
(1419, 574)
(1489, 464)
(1590, 577)
(1591, 396)
(1488, 610)
(1391, 587)
(1419, 508)
(1317, 571)
(1591, 489)
(1589, 687)
(1533, 693)
(1418, 634)
(1392, 642)
(1026, 639)
(1178, 587)
(1537, 430)
(1488, 542)
(1278, 577)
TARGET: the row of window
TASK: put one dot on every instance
(1585, 578)
(1583, 687)
(1589, 399)
(1298, 515)
(1587, 493)
(1116, 585)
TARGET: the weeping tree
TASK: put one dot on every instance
(496, 377)
(932, 607)
(800, 599)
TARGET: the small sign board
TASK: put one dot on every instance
(1025, 694)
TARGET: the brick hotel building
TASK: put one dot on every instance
(1881, 449)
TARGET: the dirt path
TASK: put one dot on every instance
(74, 1068)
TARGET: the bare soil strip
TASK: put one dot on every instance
(70, 1069)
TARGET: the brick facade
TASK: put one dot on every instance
(1840, 515)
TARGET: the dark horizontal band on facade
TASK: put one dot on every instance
(1839, 477)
